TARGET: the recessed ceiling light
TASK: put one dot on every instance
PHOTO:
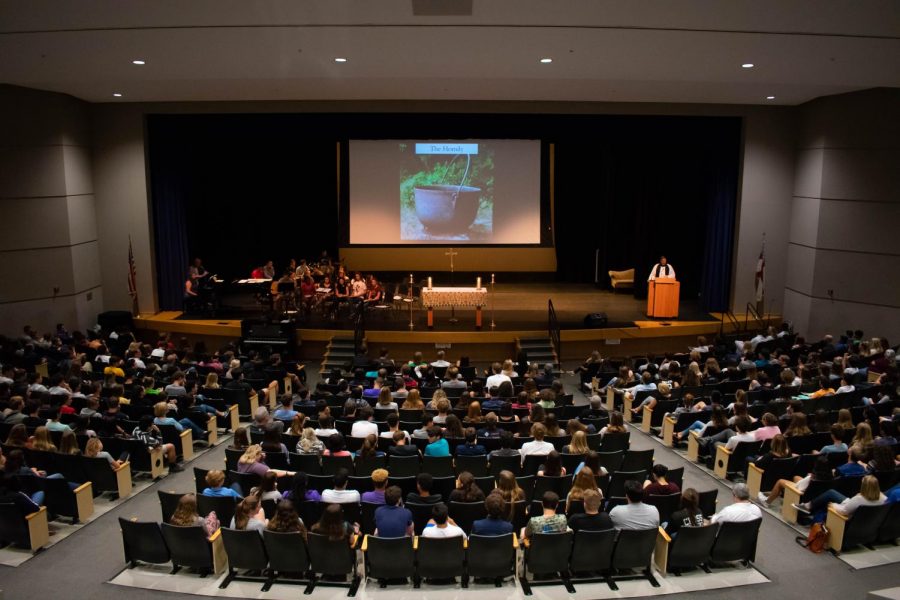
(117, 95)
(770, 97)
(340, 60)
(139, 62)
(747, 65)
(546, 60)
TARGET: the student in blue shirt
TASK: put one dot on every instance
(215, 482)
(851, 468)
(837, 441)
(494, 524)
(471, 447)
(393, 520)
(285, 412)
(437, 445)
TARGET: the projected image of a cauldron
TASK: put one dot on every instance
(447, 208)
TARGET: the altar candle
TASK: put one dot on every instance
(429, 283)
(410, 278)
(478, 282)
(492, 278)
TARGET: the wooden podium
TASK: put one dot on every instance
(662, 298)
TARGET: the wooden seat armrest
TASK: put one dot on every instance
(833, 511)
(365, 543)
(724, 450)
(646, 417)
(661, 551)
(415, 542)
(754, 479)
(216, 535)
(663, 535)
(124, 465)
(515, 541)
(792, 496)
(465, 543)
(36, 513)
(82, 487)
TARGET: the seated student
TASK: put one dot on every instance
(309, 443)
(552, 466)
(466, 489)
(285, 412)
(150, 435)
(688, 514)
(335, 446)
(769, 428)
(471, 447)
(869, 495)
(882, 460)
(821, 472)
(249, 515)
(286, 520)
(300, 491)
(437, 445)
(339, 494)
(268, 488)
(549, 521)
(591, 519)
(855, 465)
(94, 449)
(379, 482)
(272, 444)
(393, 423)
(495, 523)
(742, 434)
(538, 446)
(837, 441)
(364, 426)
(740, 510)
(423, 495)
(401, 446)
(186, 515)
(657, 485)
(441, 525)
(506, 449)
(635, 514)
(427, 423)
(160, 409)
(393, 520)
(215, 485)
(325, 426)
(369, 449)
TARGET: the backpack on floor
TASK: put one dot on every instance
(817, 538)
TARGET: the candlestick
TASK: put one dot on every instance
(429, 283)
(478, 282)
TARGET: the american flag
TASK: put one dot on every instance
(760, 281)
(132, 279)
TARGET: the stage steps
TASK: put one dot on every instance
(539, 350)
(339, 353)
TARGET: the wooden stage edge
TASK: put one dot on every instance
(647, 332)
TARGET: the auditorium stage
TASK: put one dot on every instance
(519, 311)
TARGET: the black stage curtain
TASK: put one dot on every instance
(238, 190)
(630, 191)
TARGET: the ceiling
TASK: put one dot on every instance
(602, 50)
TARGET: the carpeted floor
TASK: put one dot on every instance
(85, 561)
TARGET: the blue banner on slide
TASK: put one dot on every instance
(446, 148)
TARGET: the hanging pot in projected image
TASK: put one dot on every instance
(447, 208)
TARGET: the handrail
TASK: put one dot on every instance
(359, 327)
(731, 318)
(760, 322)
(553, 330)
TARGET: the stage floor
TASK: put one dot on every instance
(514, 307)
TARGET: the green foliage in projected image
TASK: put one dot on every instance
(442, 169)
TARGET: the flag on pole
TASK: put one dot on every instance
(760, 281)
(132, 279)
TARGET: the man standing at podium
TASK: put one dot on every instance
(662, 269)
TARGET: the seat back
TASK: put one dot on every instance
(666, 504)
(707, 502)
(168, 502)
(532, 463)
(778, 468)
(188, 546)
(617, 482)
(143, 541)
(890, 529)
(367, 517)
(306, 463)
(735, 541)
(505, 463)
(611, 461)
(466, 513)
(403, 466)
(593, 550)
(438, 466)
(100, 474)
(637, 460)
(441, 558)
(476, 465)
(13, 526)
(691, 546)
(560, 484)
(330, 557)
(614, 442)
(60, 500)
(634, 548)
(331, 464)
(549, 552)
(286, 551)
(223, 505)
(863, 527)
(491, 555)
(364, 466)
(389, 558)
(737, 460)
(245, 549)
(421, 514)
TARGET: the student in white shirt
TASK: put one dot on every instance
(441, 525)
(365, 427)
(742, 424)
(440, 362)
(538, 446)
(497, 378)
(742, 510)
(339, 494)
